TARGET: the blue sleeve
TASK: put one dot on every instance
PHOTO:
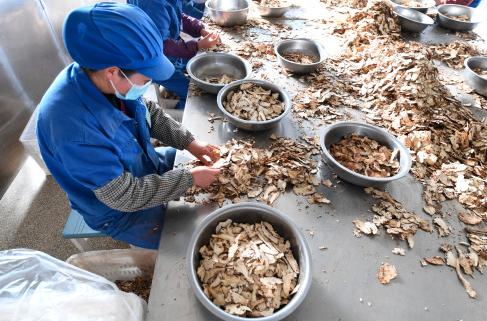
(475, 3)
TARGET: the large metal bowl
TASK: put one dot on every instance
(303, 46)
(424, 5)
(478, 83)
(251, 213)
(250, 124)
(216, 64)
(334, 133)
(228, 13)
(273, 12)
(412, 20)
(457, 10)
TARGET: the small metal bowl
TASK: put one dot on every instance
(273, 12)
(457, 10)
(252, 125)
(412, 20)
(424, 5)
(332, 134)
(213, 64)
(474, 80)
(228, 13)
(303, 46)
(251, 212)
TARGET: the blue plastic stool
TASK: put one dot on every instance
(78, 232)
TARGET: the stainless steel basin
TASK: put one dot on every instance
(303, 46)
(412, 20)
(213, 64)
(334, 133)
(423, 7)
(228, 13)
(457, 10)
(478, 83)
(250, 124)
(251, 213)
(273, 12)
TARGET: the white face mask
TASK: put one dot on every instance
(135, 92)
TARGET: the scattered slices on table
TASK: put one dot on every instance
(387, 272)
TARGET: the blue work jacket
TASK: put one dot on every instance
(86, 142)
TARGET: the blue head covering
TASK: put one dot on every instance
(112, 34)
(166, 14)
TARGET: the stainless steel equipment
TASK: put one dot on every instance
(303, 46)
(250, 124)
(31, 55)
(228, 13)
(477, 82)
(412, 20)
(214, 64)
(332, 134)
(251, 212)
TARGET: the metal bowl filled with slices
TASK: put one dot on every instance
(254, 104)
(249, 261)
(412, 20)
(457, 17)
(363, 154)
(476, 74)
(228, 13)
(300, 55)
(418, 5)
(212, 71)
(272, 8)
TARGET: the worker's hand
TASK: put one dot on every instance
(208, 41)
(203, 176)
(205, 152)
(205, 32)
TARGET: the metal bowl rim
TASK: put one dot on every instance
(466, 64)
(454, 20)
(432, 22)
(432, 4)
(317, 44)
(284, 7)
(248, 69)
(287, 101)
(307, 273)
(402, 171)
(207, 5)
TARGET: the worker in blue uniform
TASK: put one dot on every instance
(171, 20)
(94, 129)
(194, 8)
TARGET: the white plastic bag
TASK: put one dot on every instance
(36, 286)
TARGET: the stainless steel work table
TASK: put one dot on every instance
(345, 285)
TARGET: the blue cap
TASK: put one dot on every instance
(165, 14)
(113, 34)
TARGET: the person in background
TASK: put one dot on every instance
(170, 20)
(470, 3)
(94, 129)
(194, 8)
